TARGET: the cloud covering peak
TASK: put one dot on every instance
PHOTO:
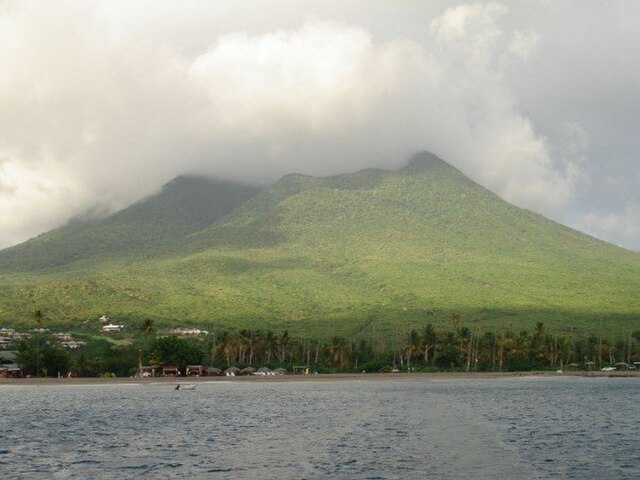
(98, 111)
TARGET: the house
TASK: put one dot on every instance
(187, 331)
(104, 319)
(8, 356)
(62, 337)
(10, 370)
(8, 367)
(264, 371)
(148, 370)
(197, 370)
(73, 344)
(170, 371)
(213, 371)
(112, 328)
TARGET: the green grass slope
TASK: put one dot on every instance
(185, 205)
(369, 252)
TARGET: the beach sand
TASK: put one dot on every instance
(312, 378)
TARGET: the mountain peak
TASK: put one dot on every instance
(424, 161)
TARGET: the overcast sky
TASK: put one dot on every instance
(103, 102)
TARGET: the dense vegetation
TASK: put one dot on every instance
(185, 205)
(426, 348)
(369, 253)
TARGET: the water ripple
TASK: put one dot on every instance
(509, 428)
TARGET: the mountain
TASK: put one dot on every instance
(183, 206)
(367, 251)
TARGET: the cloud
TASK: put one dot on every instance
(95, 113)
(618, 227)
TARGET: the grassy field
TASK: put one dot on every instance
(365, 253)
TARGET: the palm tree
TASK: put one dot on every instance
(212, 347)
(283, 342)
(37, 315)
(336, 351)
(147, 329)
(85, 363)
(270, 344)
(413, 347)
(428, 341)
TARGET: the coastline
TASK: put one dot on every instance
(311, 378)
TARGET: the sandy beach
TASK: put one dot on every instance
(311, 378)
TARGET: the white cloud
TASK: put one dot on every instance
(95, 112)
(617, 226)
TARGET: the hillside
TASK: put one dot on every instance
(185, 205)
(372, 251)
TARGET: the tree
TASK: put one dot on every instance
(42, 358)
(120, 360)
(37, 315)
(413, 347)
(429, 339)
(147, 329)
(174, 351)
(336, 350)
(283, 342)
(85, 363)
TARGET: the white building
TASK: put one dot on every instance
(112, 328)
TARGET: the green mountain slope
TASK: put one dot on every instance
(371, 251)
(183, 206)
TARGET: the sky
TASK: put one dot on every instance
(101, 103)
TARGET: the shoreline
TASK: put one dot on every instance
(310, 378)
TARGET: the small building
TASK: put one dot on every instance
(187, 331)
(73, 344)
(149, 370)
(301, 370)
(264, 371)
(8, 367)
(112, 328)
(232, 371)
(197, 370)
(170, 371)
(10, 370)
(63, 337)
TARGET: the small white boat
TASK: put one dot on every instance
(185, 386)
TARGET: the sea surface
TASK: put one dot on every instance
(508, 428)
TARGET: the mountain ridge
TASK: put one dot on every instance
(372, 247)
(184, 205)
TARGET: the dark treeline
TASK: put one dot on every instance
(423, 349)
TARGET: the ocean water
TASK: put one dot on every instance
(506, 428)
